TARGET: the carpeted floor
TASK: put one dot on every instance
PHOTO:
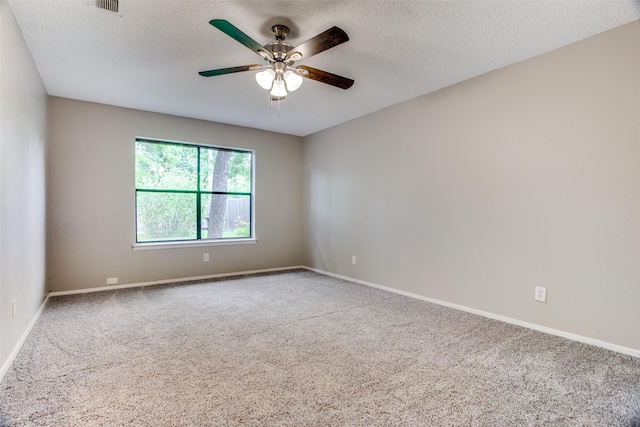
(302, 349)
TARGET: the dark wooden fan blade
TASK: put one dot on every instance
(325, 77)
(323, 41)
(229, 70)
(233, 32)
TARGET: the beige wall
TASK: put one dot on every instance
(23, 125)
(526, 176)
(91, 198)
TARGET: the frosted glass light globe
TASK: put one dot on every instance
(293, 80)
(278, 90)
(265, 78)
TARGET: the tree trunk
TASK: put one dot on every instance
(218, 206)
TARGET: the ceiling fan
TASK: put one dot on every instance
(278, 75)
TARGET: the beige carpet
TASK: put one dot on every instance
(302, 349)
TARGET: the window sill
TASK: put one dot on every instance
(192, 244)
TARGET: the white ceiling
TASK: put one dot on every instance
(148, 57)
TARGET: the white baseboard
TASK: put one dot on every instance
(563, 334)
(182, 279)
(7, 363)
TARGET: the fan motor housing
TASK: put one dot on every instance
(279, 50)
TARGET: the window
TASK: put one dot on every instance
(187, 192)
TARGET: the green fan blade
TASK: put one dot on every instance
(233, 32)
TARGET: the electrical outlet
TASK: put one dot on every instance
(205, 257)
(541, 294)
(112, 280)
(14, 308)
(353, 259)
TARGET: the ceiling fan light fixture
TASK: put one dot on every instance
(265, 78)
(293, 80)
(278, 90)
(278, 75)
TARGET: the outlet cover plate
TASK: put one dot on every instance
(541, 294)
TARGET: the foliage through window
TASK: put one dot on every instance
(192, 192)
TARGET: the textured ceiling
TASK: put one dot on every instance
(148, 56)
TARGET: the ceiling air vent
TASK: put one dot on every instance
(110, 5)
